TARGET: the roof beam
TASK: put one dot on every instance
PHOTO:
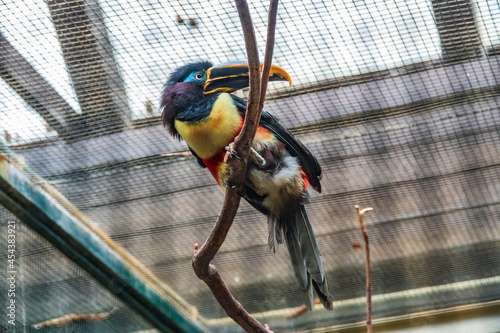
(36, 91)
(91, 64)
(457, 29)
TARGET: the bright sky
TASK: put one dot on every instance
(488, 21)
(314, 41)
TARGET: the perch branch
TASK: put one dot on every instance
(268, 57)
(237, 172)
(368, 271)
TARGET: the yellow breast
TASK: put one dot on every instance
(207, 136)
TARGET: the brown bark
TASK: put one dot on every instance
(242, 143)
(368, 270)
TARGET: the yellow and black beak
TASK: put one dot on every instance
(232, 76)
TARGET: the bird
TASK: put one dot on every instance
(197, 106)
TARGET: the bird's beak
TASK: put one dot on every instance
(232, 76)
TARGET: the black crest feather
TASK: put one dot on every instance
(176, 94)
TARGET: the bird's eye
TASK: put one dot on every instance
(198, 76)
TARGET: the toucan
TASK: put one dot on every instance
(198, 107)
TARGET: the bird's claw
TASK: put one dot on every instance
(257, 158)
(229, 184)
(230, 149)
(241, 189)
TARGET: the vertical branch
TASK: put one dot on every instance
(237, 173)
(268, 57)
(368, 271)
(244, 140)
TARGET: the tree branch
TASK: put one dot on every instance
(72, 318)
(268, 57)
(368, 271)
(237, 173)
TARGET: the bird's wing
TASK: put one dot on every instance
(200, 161)
(307, 160)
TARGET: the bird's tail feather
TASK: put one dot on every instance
(275, 230)
(299, 267)
(306, 258)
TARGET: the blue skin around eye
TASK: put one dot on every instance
(191, 78)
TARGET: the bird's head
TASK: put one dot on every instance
(191, 89)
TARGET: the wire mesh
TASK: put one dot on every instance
(55, 295)
(398, 99)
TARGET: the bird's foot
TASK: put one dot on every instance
(241, 189)
(229, 184)
(256, 158)
(230, 149)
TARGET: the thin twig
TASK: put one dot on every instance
(300, 310)
(368, 271)
(177, 154)
(268, 57)
(71, 318)
(237, 173)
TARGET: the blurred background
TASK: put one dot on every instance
(398, 99)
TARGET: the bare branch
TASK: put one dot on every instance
(244, 140)
(71, 318)
(177, 154)
(368, 271)
(300, 310)
(237, 173)
(268, 57)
